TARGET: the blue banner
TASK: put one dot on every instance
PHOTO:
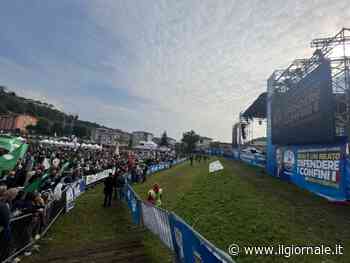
(74, 190)
(191, 247)
(78, 188)
(235, 153)
(69, 199)
(134, 205)
(255, 159)
(320, 169)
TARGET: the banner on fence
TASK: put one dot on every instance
(93, 178)
(190, 246)
(78, 188)
(320, 169)
(69, 198)
(74, 190)
(134, 205)
(256, 159)
(158, 167)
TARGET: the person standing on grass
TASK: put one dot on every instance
(144, 172)
(155, 195)
(108, 190)
(191, 159)
(120, 185)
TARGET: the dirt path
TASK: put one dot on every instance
(128, 250)
(92, 234)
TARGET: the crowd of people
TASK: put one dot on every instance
(198, 157)
(45, 170)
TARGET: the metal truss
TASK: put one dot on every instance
(336, 49)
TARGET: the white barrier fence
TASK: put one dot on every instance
(157, 221)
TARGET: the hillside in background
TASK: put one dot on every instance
(50, 120)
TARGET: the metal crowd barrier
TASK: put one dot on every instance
(187, 244)
(25, 227)
(156, 220)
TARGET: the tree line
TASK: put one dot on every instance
(51, 121)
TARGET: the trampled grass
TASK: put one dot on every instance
(245, 206)
(89, 224)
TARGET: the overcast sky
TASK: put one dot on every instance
(157, 65)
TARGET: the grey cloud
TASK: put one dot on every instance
(196, 63)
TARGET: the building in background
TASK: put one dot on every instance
(170, 141)
(16, 123)
(156, 140)
(204, 143)
(141, 136)
(124, 138)
(106, 136)
(221, 148)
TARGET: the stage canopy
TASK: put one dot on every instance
(257, 109)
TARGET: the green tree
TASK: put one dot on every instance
(164, 139)
(11, 103)
(2, 89)
(57, 128)
(81, 131)
(68, 130)
(3, 109)
(42, 127)
(190, 139)
(179, 148)
(31, 128)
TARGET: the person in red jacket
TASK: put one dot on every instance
(155, 195)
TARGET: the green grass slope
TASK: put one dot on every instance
(90, 224)
(243, 205)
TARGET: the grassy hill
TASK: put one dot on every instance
(92, 233)
(51, 120)
(243, 205)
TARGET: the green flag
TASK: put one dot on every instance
(15, 150)
(10, 143)
(35, 186)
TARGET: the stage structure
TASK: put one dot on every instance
(249, 133)
(307, 113)
(245, 130)
(308, 119)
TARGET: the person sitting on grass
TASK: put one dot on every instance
(155, 195)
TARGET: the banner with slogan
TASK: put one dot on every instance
(74, 190)
(255, 159)
(69, 198)
(93, 178)
(320, 169)
(78, 188)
